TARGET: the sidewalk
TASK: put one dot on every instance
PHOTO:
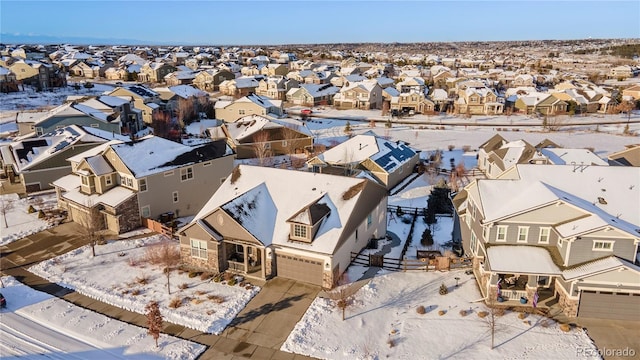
(257, 332)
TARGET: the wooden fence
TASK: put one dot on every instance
(158, 227)
(424, 264)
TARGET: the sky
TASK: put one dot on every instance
(268, 22)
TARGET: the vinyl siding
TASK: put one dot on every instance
(582, 250)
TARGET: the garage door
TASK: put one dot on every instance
(299, 268)
(609, 305)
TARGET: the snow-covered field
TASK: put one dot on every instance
(30, 99)
(20, 222)
(118, 275)
(38, 325)
(383, 323)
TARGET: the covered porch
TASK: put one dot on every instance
(245, 259)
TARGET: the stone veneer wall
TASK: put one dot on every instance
(210, 264)
(569, 306)
(128, 215)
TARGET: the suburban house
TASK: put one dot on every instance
(252, 104)
(8, 80)
(143, 98)
(388, 162)
(497, 155)
(411, 102)
(632, 91)
(627, 157)
(275, 87)
(40, 75)
(274, 70)
(180, 77)
(145, 178)
(130, 117)
(210, 79)
(73, 113)
(273, 137)
(541, 103)
(35, 162)
(363, 95)
(312, 94)
(154, 72)
(564, 232)
(254, 226)
(172, 96)
(239, 87)
(477, 100)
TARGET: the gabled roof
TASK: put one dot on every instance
(598, 266)
(260, 200)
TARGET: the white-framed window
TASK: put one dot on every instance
(523, 234)
(602, 245)
(473, 210)
(369, 220)
(85, 180)
(501, 233)
(186, 173)
(129, 182)
(146, 211)
(142, 185)
(168, 173)
(467, 218)
(174, 195)
(544, 235)
(240, 111)
(485, 233)
(206, 163)
(95, 125)
(560, 242)
(198, 249)
(284, 143)
(473, 245)
(300, 231)
(108, 179)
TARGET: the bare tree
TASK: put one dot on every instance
(6, 205)
(154, 320)
(625, 107)
(491, 317)
(92, 224)
(344, 294)
(166, 254)
(186, 111)
(262, 147)
(292, 139)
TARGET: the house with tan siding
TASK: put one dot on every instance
(556, 233)
(252, 104)
(253, 226)
(363, 95)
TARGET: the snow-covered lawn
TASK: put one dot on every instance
(119, 276)
(383, 323)
(36, 324)
(20, 222)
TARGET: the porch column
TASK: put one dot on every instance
(245, 260)
(263, 260)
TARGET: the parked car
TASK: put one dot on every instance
(306, 112)
(3, 301)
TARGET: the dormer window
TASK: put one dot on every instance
(300, 231)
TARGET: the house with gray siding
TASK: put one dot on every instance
(148, 178)
(564, 232)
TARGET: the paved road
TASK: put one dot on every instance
(257, 333)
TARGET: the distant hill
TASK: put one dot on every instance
(7, 38)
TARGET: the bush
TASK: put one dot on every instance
(227, 276)
(545, 323)
(442, 312)
(206, 276)
(31, 209)
(175, 303)
(427, 238)
(522, 315)
(231, 282)
(463, 312)
(483, 314)
(183, 286)
(217, 277)
(421, 310)
(192, 274)
(443, 289)
(41, 214)
(142, 280)
(136, 292)
(216, 299)
(565, 327)
(200, 292)
(196, 301)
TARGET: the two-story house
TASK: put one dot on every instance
(409, 102)
(145, 178)
(564, 232)
(154, 72)
(253, 226)
(143, 98)
(312, 94)
(363, 95)
(252, 104)
(210, 79)
(275, 87)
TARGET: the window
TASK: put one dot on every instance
(206, 163)
(485, 233)
(369, 220)
(241, 111)
(602, 245)
(544, 235)
(501, 234)
(560, 242)
(474, 243)
(168, 173)
(129, 182)
(284, 143)
(186, 174)
(467, 218)
(174, 195)
(85, 180)
(198, 249)
(108, 179)
(95, 125)
(142, 185)
(523, 232)
(146, 211)
(299, 231)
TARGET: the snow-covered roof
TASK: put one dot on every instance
(154, 154)
(260, 199)
(113, 197)
(99, 165)
(561, 156)
(597, 266)
(518, 259)
(186, 91)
